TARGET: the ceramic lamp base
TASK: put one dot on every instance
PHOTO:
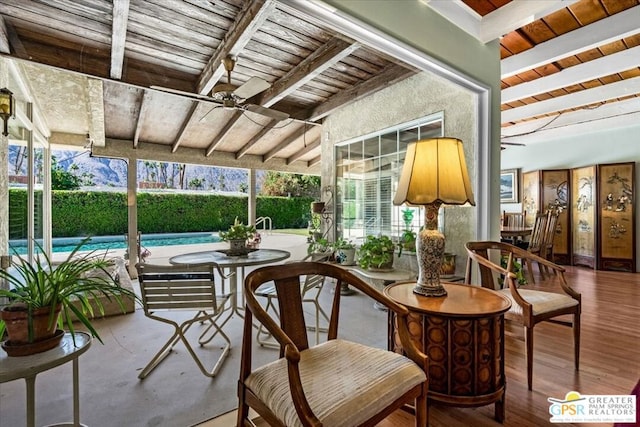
(430, 291)
(430, 251)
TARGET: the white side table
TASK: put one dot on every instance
(27, 367)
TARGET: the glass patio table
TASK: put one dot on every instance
(232, 263)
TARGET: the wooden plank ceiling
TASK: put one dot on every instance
(141, 49)
(602, 67)
(576, 62)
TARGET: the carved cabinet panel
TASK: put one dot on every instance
(616, 227)
(531, 195)
(555, 196)
(549, 189)
(583, 215)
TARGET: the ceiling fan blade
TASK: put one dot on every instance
(195, 96)
(274, 114)
(252, 87)
(209, 112)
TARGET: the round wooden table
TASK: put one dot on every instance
(463, 335)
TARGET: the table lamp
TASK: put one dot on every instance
(434, 172)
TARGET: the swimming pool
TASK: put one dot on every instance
(67, 244)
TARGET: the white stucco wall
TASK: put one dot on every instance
(415, 97)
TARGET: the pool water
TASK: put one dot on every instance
(118, 242)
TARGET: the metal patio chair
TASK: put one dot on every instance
(185, 288)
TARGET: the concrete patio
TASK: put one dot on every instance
(176, 393)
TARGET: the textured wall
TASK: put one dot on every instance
(415, 97)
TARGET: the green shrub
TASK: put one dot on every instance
(96, 213)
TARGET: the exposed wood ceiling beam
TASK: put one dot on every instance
(391, 75)
(501, 21)
(122, 149)
(253, 141)
(4, 37)
(118, 37)
(324, 57)
(183, 128)
(314, 161)
(603, 66)
(285, 143)
(250, 18)
(142, 115)
(225, 130)
(599, 33)
(310, 147)
(578, 99)
(588, 120)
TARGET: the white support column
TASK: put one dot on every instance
(132, 212)
(4, 178)
(252, 197)
(30, 186)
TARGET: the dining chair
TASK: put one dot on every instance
(528, 306)
(514, 220)
(338, 383)
(549, 235)
(170, 288)
(536, 243)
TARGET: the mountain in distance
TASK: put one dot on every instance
(112, 172)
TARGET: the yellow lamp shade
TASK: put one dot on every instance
(434, 171)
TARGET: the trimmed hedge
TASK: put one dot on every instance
(93, 213)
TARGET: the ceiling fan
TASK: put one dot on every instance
(227, 95)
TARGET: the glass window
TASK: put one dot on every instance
(367, 173)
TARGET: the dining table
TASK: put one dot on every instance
(511, 233)
(232, 263)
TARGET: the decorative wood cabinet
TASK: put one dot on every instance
(596, 227)
(549, 189)
(583, 214)
(555, 196)
(463, 335)
(616, 225)
(531, 195)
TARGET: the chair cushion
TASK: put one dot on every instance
(345, 383)
(542, 302)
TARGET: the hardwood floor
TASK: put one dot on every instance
(609, 356)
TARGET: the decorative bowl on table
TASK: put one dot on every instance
(242, 252)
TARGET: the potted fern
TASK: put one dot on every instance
(44, 296)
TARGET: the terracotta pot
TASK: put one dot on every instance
(317, 207)
(16, 319)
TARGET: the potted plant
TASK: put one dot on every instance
(320, 247)
(237, 235)
(44, 295)
(344, 251)
(376, 253)
(407, 241)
